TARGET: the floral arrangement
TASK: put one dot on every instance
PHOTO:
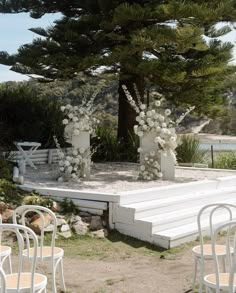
(73, 165)
(154, 119)
(79, 118)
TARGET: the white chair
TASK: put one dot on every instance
(209, 217)
(5, 253)
(44, 253)
(23, 282)
(2, 281)
(223, 281)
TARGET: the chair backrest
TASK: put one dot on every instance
(229, 240)
(211, 216)
(20, 232)
(45, 216)
(2, 281)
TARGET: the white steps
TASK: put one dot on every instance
(169, 217)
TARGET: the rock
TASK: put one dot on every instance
(55, 207)
(80, 228)
(61, 222)
(87, 219)
(102, 233)
(49, 228)
(65, 228)
(66, 234)
(75, 218)
(96, 223)
(3, 206)
(7, 216)
(36, 222)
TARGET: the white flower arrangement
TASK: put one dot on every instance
(154, 119)
(73, 165)
(79, 118)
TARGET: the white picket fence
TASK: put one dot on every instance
(41, 156)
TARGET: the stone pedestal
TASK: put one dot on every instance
(147, 144)
(167, 166)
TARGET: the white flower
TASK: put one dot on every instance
(145, 127)
(73, 175)
(142, 168)
(76, 108)
(67, 163)
(138, 118)
(141, 122)
(69, 158)
(149, 113)
(65, 121)
(161, 118)
(76, 132)
(164, 125)
(71, 115)
(81, 150)
(62, 169)
(159, 175)
(63, 108)
(68, 107)
(151, 123)
(140, 150)
(157, 103)
(70, 169)
(135, 128)
(140, 133)
(60, 179)
(61, 163)
(167, 112)
(76, 125)
(152, 153)
(142, 107)
(75, 119)
(142, 114)
(75, 152)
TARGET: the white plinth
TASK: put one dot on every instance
(167, 166)
(147, 144)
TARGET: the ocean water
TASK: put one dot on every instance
(217, 146)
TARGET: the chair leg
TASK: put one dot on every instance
(9, 264)
(194, 273)
(201, 277)
(54, 287)
(63, 286)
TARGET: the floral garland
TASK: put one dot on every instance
(73, 165)
(157, 120)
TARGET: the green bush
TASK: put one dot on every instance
(5, 169)
(107, 148)
(226, 161)
(25, 117)
(188, 151)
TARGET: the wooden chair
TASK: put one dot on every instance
(209, 217)
(225, 281)
(30, 281)
(44, 253)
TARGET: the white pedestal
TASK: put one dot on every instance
(167, 166)
(147, 144)
(82, 140)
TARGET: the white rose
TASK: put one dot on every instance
(68, 107)
(75, 153)
(157, 103)
(141, 122)
(67, 163)
(142, 114)
(161, 118)
(69, 169)
(75, 119)
(65, 121)
(167, 112)
(145, 127)
(151, 123)
(70, 115)
(142, 107)
(149, 113)
(61, 163)
(142, 168)
(140, 133)
(164, 125)
(137, 118)
(159, 175)
(63, 108)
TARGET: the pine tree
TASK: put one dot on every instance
(170, 45)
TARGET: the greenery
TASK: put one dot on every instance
(68, 207)
(108, 148)
(226, 161)
(26, 117)
(35, 199)
(137, 40)
(188, 150)
(5, 169)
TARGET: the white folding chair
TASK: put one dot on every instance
(219, 281)
(209, 217)
(20, 281)
(44, 253)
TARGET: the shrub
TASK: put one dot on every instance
(226, 161)
(25, 117)
(5, 169)
(188, 151)
(107, 148)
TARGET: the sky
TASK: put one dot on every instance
(14, 33)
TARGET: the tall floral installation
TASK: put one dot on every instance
(158, 139)
(79, 125)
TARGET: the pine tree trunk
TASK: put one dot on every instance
(126, 114)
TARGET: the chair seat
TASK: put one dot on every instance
(46, 252)
(40, 281)
(5, 250)
(207, 250)
(210, 280)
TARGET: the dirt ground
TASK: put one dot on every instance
(121, 264)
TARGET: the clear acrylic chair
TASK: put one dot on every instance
(219, 281)
(45, 253)
(21, 281)
(5, 253)
(209, 217)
